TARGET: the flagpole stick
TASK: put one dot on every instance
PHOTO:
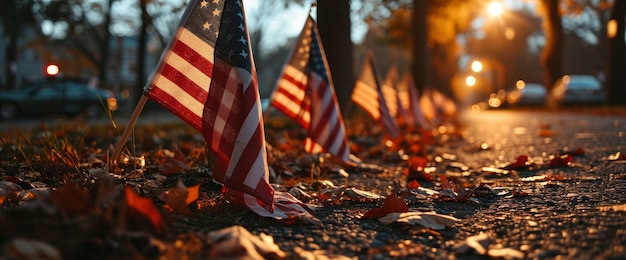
(129, 127)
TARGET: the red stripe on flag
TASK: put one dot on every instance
(175, 106)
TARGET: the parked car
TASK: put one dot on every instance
(531, 94)
(55, 96)
(577, 89)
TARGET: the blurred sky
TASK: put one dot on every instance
(289, 23)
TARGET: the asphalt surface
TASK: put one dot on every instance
(542, 212)
(545, 212)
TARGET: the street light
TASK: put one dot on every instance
(470, 81)
(477, 66)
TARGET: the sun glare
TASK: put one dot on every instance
(495, 8)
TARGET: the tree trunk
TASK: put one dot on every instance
(333, 20)
(553, 51)
(617, 56)
(11, 60)
(141, 51)
(104, 51)
(420, 43)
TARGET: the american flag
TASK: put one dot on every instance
(368, 95)
(207, 77)
(305, 93)
(391, 94)
(409, 100)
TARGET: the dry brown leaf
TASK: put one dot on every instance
(425, 219)
(621, 207)
(21, 248)
(71, 199)
(505, 253)
(237, 242)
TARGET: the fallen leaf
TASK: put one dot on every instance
(140, 209)
(445, 183)
(360, 195)
(71, 199)
(193, 193)
(317, 254)
(21, 248)
(425, 219)
(237, 242)
(521, 163)
(176, 199)
(413, 184)
(505, 253)
(20, 182)
(480, 243)
(561, 161)
(417, 162)
(392, 204)
(621, 207)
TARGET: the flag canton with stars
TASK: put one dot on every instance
(316, 60)
(309, 55)
(221, 23)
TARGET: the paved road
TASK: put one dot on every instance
(560, 219)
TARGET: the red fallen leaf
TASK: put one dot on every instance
(18, 181)
(445, 183)
(521, 163)
(141, 208)
(578, 152)
(561, 161)
(71, 199)
(392, 204)
(414, 174)
(416, 162)
(413, 184)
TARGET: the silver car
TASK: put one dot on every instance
(577, 89)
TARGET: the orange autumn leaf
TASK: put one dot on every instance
(392, 204)
(193, 193)
(144, 207)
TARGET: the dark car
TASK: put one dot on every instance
(56, 97)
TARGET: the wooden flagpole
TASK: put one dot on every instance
(129, 127)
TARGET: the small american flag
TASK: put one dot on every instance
(390, 91)
(305, 93)
(409, 100)
(207, 77)
(368, 95)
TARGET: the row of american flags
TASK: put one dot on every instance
(207, 77)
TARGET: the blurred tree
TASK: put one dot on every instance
(552, 55)
(146, 21)
(333, 20)
(86, 28)
(14, 16)
(617, 57)
(502, 45)
(427, 28)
